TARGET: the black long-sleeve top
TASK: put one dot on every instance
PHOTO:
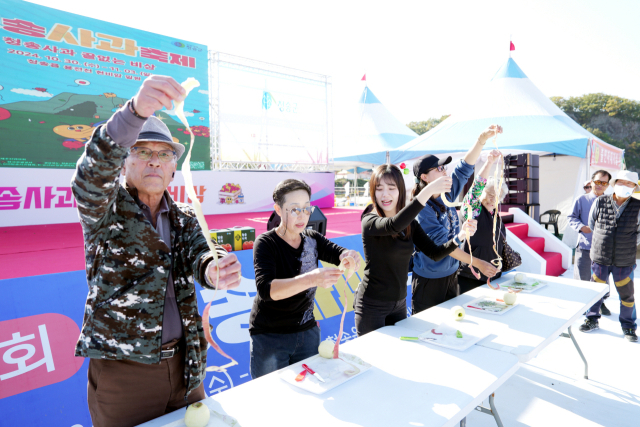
(387, 257)
(273, 258)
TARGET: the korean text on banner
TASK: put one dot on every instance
(63, 75)
(605, 155)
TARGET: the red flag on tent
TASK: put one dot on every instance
(364, 78)
(512, 47)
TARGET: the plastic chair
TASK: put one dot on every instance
(553, 220)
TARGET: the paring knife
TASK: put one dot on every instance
(312, 372)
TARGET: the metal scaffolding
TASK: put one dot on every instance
(215, 108)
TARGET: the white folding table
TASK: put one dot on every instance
(534, 323)
(410, 383)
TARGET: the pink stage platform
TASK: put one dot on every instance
(57, 248)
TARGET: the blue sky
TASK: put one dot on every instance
(421, 57)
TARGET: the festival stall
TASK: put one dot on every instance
(532, 123)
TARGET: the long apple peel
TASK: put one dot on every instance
(216, 347)
(468, 236)
(188, 85)
(348, 272)
(498, 189)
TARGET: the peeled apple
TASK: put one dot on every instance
(457, 312)
(520, 278)
(197, 415)
(326, 349)
(509, 298)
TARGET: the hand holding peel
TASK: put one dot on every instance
(350, 260)
(486, 268)
(157, 92)
(439, 186)
(489, 132)
(229, 272)
(470, 226)
(323, 277)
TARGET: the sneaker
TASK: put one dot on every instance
(604, 310)
(589, 325)
(630, 335)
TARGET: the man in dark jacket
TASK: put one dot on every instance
(141, 329)
(615, 222)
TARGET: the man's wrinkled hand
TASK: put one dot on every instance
(229, 272)
(157, 92)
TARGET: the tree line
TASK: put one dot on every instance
(613, 119)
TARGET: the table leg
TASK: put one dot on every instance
(575, 343)
(493, 411)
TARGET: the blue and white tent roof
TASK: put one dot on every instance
(378, 130)
(530, 120)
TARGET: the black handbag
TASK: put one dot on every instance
(510, 258)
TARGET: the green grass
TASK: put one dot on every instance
(26, 144)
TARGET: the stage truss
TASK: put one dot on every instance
(218, 58)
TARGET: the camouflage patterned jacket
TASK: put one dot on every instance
(128, 266)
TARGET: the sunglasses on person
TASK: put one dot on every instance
(438, 168)
(298, 211)
(587, 187)
(145, 154)
(601, 183)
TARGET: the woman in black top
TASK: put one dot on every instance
(282, 327)
(389, 234)
(482, 199)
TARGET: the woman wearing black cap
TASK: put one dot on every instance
(434, 282)
(389, 233)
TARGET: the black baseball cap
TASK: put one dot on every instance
(429, 161)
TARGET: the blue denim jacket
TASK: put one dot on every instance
(441, 227)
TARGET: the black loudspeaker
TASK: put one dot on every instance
(317, 221)
(274, 221)
(522, 176)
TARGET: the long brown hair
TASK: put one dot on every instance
(390, 174)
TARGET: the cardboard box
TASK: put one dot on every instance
(235, 239)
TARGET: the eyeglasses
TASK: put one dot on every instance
(439, 168)
(601, 183)
(298, 211)
(145, 154)
(587, 187)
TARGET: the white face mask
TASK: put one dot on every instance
(622, 191)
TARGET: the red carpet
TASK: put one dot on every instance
(554, 259)
(57, 248)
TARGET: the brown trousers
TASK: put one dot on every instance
(123, 393)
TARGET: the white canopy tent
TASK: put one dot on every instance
(378, 131)
(532, 123)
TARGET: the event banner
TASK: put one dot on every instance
(272, 116)
(42, 383)
(605, 155)
(64, 74)
(32, 197)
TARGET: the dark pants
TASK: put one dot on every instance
(372, 314)
(623, 279)
(123, 393)
(465, 284)
(582, 267)
(427, 293)
(270, 352)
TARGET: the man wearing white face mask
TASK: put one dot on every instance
(615, 221)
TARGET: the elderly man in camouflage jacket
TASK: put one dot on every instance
(141, 328)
